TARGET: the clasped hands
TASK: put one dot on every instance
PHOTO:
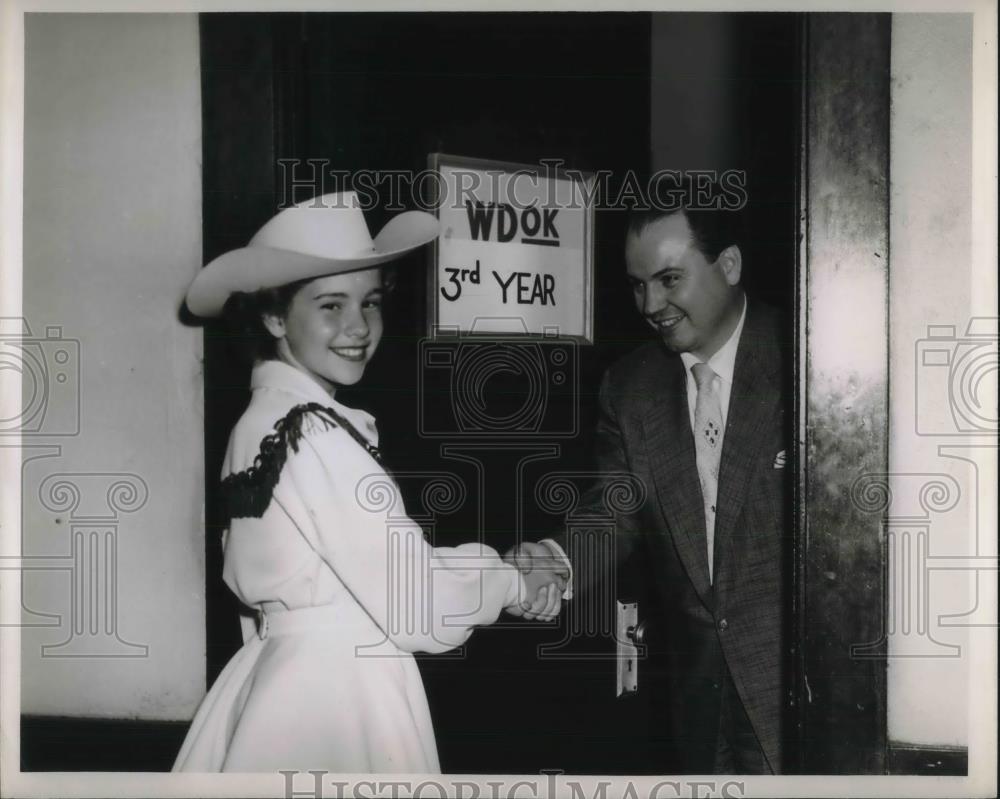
(545, 577)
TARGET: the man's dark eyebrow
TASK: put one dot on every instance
(656, 275)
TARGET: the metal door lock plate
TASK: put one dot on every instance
(627, 622)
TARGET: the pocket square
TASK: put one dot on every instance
(779, 461)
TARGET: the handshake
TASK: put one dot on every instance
(546, 576)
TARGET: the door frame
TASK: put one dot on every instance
(840, 567)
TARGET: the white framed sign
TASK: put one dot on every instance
(515, 253)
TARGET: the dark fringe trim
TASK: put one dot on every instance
(248, 493)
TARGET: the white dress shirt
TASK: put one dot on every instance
(723, 363)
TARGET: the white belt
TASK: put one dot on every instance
(273, 621)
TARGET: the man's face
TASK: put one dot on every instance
(694, 305)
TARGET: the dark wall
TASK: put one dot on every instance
(725, 97)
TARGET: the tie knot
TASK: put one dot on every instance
(703, 375)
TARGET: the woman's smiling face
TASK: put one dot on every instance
(332, 327)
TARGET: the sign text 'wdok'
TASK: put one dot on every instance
(525, 265)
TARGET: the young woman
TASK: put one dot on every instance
(344, 585)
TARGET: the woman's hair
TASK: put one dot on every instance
(244, 314)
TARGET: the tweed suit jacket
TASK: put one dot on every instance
(644, 429)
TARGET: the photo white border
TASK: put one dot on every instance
(982, 743)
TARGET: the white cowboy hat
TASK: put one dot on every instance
(322, 236)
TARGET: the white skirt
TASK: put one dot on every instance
(319, 688)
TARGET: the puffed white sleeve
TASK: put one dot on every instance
(425, 599)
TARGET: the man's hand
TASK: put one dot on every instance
(545, 576)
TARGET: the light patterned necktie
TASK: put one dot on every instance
(708, 447)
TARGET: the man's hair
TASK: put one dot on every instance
(713, 226)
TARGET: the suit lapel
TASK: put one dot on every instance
(671, 453)
(753, 404)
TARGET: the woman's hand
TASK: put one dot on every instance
(545, 578)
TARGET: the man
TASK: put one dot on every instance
(698, 417)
